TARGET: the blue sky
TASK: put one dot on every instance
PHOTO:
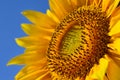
(10, 20)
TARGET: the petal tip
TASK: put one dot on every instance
(24, 12)
(11, 62)
(19, 41)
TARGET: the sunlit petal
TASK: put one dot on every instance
(73, 40)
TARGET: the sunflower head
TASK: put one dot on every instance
(72, 41)
(79, 41)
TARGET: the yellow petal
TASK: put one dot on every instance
(53, 16)
(65, 4)
(31, 58)
(113, 71)
(116, 44)
(115, 29)
(32, 29)
(30, 73)
(112, 7)
(28, 69)
(97, 2)
(73, 3)
(27, 28)
(25, 70)
(81, 3)
(31, 41)
(39, 49)
(106, 78)
(115, 17)
(116, 60)
(114, 53)
(115, 36)
(105, 4)
(116, 12)
(39, 18)
(57, 8)
(98, 71)
(46, 76)
(90, 2)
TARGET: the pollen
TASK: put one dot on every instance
(79, 41)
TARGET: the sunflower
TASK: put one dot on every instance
(74, 40)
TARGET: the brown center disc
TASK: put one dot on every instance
(78, 43)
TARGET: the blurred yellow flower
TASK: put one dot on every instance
(74, 40)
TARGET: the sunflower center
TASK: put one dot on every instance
(71, 41)
(78, 43)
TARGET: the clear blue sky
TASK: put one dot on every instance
(10, 20)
